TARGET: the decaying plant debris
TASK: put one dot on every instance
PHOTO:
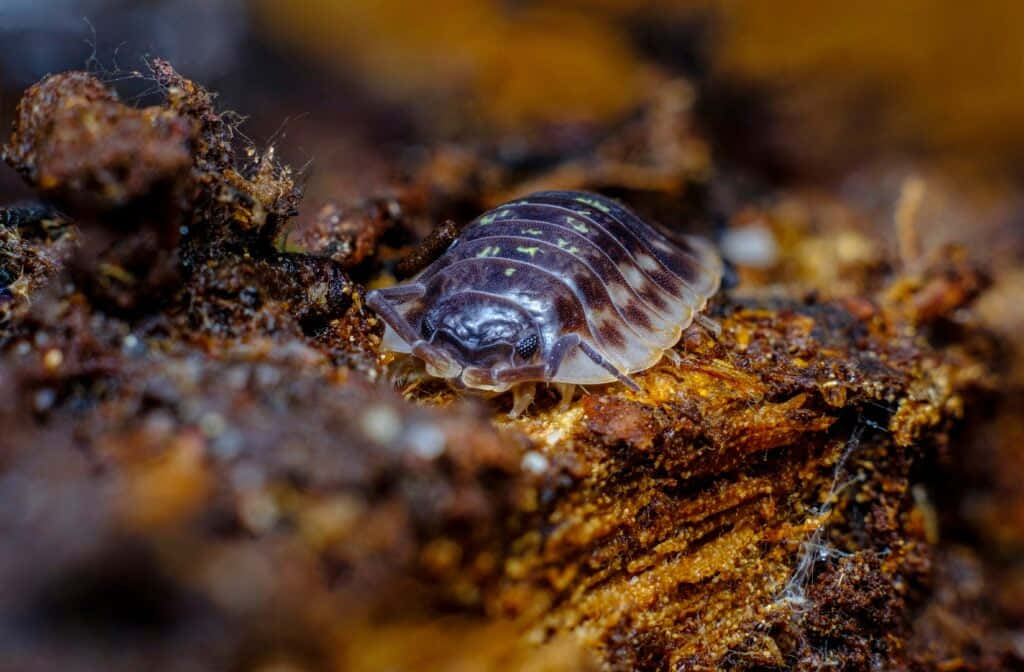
(203, 464)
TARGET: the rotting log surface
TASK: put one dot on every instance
(752, 508)
(223, 479)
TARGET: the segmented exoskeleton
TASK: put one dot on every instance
(559, 287)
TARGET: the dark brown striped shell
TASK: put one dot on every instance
(558, 286)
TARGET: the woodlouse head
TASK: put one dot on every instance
(481, 331)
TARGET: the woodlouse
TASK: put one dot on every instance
(560, 287)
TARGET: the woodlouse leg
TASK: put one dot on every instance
(398, 294)
(607, 366)
(522, 397)
(673, 356)
(566, 390)
(378, 300)
(713, 327)
(559, 350)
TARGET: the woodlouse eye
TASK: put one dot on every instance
(427, 328)
(527, 346)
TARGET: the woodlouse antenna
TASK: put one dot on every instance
(607, 366)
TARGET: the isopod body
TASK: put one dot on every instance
(558, 287)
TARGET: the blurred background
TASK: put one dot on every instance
(808, 90)
(854, 95)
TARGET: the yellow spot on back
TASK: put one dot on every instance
(489, 251)
(594, 203)
(533, 232)
(487, 219)
(564, 244)
(528, 250)
(582, 228)
(510, 271)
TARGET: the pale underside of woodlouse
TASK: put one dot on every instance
(561, 287)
